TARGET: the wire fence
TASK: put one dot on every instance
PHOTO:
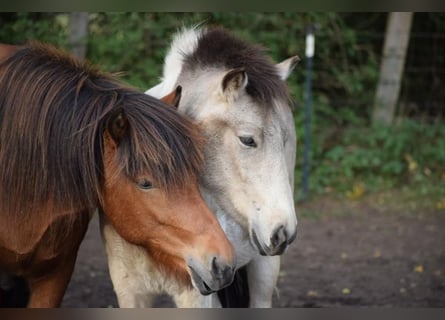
(423, 88)
(422, 94)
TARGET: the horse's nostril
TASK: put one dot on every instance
(221, 271)
(278, 237)
(214, 266)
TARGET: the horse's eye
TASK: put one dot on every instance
(248, 141)
(145, 184)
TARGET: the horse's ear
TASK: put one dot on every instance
(173, 97)
(178, 95)
(233, 82)
(117, 126)
(285, 67)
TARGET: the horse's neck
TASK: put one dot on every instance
(24, 234)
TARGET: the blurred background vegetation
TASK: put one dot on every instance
(350, 157)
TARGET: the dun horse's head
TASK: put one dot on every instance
(240, 100)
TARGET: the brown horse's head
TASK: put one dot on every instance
(80, 139)
(167, 216)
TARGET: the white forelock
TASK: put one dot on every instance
(184, 43)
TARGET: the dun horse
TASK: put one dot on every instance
(73, 139)
(240, 100)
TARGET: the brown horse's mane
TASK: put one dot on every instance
(53, 114)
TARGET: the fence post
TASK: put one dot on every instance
(391, 69)
(310, 48)
(78, 33)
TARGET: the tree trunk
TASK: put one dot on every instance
(78, 33)
(391, 69)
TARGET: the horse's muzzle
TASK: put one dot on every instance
(279, 241)
(213, 278)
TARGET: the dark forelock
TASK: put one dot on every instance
(218, 48)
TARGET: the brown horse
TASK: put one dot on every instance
(73, 139)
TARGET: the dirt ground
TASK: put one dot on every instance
(366, 258)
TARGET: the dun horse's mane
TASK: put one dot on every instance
(53, 114)
(217, 48)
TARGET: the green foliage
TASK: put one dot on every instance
(17, 28)
(376, 157)
(135, 44)
(346, 151)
